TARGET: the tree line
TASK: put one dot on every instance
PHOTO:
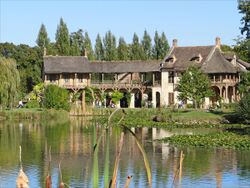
(106, 48)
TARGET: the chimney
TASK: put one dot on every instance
(175, 43)
(85, 53)
(44, 51)
(217, 42)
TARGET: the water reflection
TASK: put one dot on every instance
(73, 142)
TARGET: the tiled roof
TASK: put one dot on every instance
(80, 64)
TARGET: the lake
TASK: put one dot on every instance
(72, 144)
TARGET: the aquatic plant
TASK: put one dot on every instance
(221, 139)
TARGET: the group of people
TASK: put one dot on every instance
(99, 103)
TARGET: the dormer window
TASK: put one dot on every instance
(171, 59)
(197, 58)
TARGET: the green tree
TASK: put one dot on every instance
(74, 46)
(156, 47)
(136, 49)
(226, 48)
(122, 49)
(10, 81)
(244, 84)
(116, 97)
(99, 51)
(244, 8)
(62, 39)
(88, 46)
(29, 63)
(243, 109)
(42, 38)
(37, 92)
(194, 86)
(163, 46)
(242, 48)
(146, 45)
(77, 43)
(56, 97)
(109, 42)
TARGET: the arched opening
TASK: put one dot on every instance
(147, 97)
(124, 102)
(108, 97)
(158, 99)
(137, 98)
(216, 98)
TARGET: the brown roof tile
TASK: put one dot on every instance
(80, 64)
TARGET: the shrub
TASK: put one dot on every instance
(56, 97)
(32, 104)
(243, 109)
(117, 96)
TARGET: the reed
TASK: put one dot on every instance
(22, 180)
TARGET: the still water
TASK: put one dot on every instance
(72, 144)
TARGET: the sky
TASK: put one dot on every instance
(192, 22)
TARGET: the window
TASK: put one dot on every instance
(66, 78)
(80, 78)
(52, 78)
(171, 77)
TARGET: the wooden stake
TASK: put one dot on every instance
(61, 185)
(83, 102)
(129, 178)
(48, 182)
(22, 180)
(117, 160)
(180, 171)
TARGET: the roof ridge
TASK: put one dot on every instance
(193, 46)
(209, 56)
(168, 54)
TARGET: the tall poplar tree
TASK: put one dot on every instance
(74, 45)
(163, 46)
(77, 42)
(122, 49)
(62, 39)
(88, 46)
(146, 45)
(99, 51)
(109, 42)
(136, 49)
(42, 38)
(156, 48)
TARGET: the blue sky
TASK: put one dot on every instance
(192, 22)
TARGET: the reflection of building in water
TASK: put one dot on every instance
(159, 134)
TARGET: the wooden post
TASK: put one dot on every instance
(180, 173)
(83, 102)
(102, 78)
(153, 78)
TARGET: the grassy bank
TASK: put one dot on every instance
(33, 114)
(167, 117)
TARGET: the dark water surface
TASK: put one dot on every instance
(72, 144)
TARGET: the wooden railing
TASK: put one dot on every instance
(107, 84)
